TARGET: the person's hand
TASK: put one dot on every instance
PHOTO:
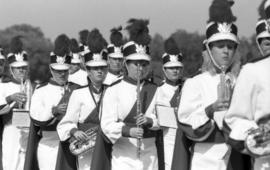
(80, 135)
(220, 105)
(19, 98)
(141, 119)
(136, 132)
(60, 109)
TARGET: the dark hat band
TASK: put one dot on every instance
(17, 57)
(171, 58)
(135, 48)
(221, 28)
(60, 60)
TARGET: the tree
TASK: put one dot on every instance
(157, 47)
(32, 37)
(190, 45)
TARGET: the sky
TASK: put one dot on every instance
(55, 17)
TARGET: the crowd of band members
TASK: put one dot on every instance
(88, 88)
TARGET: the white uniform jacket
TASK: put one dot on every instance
(250, 102)
(79, 77)
(210, 151)
(14, 140)
(165, 95)
(118, 101)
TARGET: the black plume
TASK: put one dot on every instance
(220, 11)
(74, 46)
(116, 37)
(171, 47)
(62, 45)
(83, 36)
(16, 44)
(138, 31)
(95, 41)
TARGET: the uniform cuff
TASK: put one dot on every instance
(149, 122)
(209, 111)
(126, 131)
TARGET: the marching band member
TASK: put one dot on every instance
(83, 108)
(115, 57)
(76, 74)
(119, 107)
(205, 99)
(14, 138)
(168, 94)
(250, 107)
(49, 103)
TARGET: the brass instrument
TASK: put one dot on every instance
(224, 89)
(77, 147)
(139, 140)
(258, 141)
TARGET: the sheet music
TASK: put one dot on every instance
(20, 118)
(166, 116)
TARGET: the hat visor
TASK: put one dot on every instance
(19, 64)
(138, 56)
(75, 61)
(96, 63)
(116, 55)
(173, 64)
(57, 66)
(263, 34)
(223, 36)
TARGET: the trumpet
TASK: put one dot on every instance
(138, 111)
(258, 141)
(77, 147)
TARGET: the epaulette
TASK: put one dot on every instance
(41, 85)
(258, 59)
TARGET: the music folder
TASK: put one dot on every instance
(166, 116)
(21, 118)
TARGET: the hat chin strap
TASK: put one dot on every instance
(222, 68)
(259, 47)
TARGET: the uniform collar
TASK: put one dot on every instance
(177, 83)
(92, 87)
(259, 58)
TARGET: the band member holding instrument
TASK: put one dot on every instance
(249, 112)
(76, 74)
(82, 118)
(168, 94)
(115, 57)
(49, 103)
(206, 97)
(133, 147)
(12, 97)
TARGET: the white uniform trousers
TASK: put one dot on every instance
(14, 147)
(262, 163)
(124, 155)
(84, 160)
(169, 142)
(210, 156)
(47, 150)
